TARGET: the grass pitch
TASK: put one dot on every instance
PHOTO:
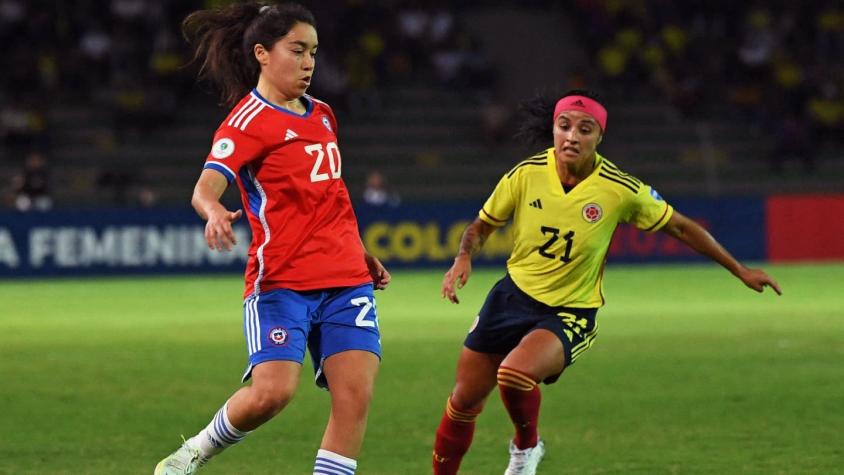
(691, 373)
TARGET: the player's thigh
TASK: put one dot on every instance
(351, 375)
(476, 378)
(540, 354)
(347, 323)
(554, 343)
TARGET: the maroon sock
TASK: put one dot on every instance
(521, 397)
(454, 436)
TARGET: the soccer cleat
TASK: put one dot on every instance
(184, 461)
(525, 461)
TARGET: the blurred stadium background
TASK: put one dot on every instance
(734, 111)
(707, 98)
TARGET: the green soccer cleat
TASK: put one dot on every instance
(525, 461)
(184, 461)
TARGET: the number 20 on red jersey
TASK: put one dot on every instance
(322, 171)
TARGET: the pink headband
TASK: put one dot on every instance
(583, 104)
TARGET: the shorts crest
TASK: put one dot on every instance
(278, 336)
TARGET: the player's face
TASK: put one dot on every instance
(576, 136)
(289, 65)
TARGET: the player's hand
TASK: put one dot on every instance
(757, 280)
(380, 276)
(457, 276)
(218, 230)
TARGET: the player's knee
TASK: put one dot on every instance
(267, 402)
(351, 397)
(512, 378)
(467, 401)
(456, 411)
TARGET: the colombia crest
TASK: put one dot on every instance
(592, 212)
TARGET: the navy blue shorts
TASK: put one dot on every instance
(508, 314)
(279, 323)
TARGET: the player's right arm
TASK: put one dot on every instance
(473, 239)
(206, 201)
(494, 214)
(235, 145)
(232, 149)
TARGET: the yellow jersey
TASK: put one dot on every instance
(561, 238)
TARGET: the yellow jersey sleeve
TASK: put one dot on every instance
(499, 207)
(648, 211)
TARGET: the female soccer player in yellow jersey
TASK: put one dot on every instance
(565, 203)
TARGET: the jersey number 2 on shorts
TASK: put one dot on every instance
(555, 235)
(367, 305)
(334, 162)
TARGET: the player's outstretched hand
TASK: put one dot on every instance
(757, 280)
(380, 276)
(457, 276)
(218, 230)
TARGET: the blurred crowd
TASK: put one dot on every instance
(126, 58)
(377, 44)
(778, 64)
(123, 55)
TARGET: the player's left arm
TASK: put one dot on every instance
(696, 237)
(380, 276)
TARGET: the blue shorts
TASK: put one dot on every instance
(508, 314)
(279, 323)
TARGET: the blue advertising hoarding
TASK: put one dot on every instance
(108, 242)
(160, 241)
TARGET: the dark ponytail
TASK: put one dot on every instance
(537, 117)
(224, 39)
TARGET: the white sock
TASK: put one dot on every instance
(218, 435)
(329, 463)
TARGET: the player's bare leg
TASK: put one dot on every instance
(538, 355)
(272, 388)
(351, 379)
(476, 378)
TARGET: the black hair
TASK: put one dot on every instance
(537, 116)
(224, 39)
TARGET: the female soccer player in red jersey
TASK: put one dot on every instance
(309, 281)
(565, 203)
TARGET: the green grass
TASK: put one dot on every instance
(691, 373)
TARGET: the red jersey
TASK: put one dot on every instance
(304, 232)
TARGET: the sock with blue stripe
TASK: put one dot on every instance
(329, 463)
(218, 435)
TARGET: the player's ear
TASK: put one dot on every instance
(600, 138)
(261, 54)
